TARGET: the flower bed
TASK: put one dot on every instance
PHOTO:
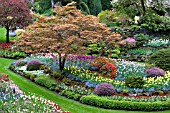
(12, 54)
(14, 100)
(7, 51)
(82, 75)
(6, 45)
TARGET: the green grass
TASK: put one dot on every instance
(3, 35)
(67, 104)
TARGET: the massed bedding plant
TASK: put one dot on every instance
(78, 81)
(124, 69)
(90, 78)
(12, 99)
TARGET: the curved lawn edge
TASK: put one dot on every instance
(67, 104)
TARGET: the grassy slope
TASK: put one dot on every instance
(2, 35)
(66, 104)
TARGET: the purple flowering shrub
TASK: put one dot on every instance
(104, 89)
(20, 63)
(33, 65)
(154, 72)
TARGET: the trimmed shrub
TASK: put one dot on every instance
(20, 63)
(154, 72)
(134, 81)
(70, 95)
(27, 75)
(44, 81)
(33, 65)
(32, 77)
(141, 39)
(161, 59)
(103, 102)
(104, 89)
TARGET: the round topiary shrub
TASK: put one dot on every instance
(154, 72)
(161, 59)
(134, 81)
(20, 63)
(104, 89)
(33, 65)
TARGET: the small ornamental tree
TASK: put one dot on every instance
(14, 13)
(68, 32)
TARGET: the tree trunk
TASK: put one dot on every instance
(62, 61)
(143, 6)
(7, 34)
(52, 3)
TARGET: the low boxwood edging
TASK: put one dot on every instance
(103, 102)
(70, 95)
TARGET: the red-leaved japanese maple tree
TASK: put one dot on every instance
(67, 32)
(14, 13)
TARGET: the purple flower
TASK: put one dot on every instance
(33, 62)
(33, 65)
(104, 89)
(20, 63)
(154, 72)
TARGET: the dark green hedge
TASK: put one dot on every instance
(45, 81)
(70, 95)
(124, 105)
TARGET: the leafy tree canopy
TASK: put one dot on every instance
(14, 13)
(68, 32)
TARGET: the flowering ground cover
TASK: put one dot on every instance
(12, 99)
(6, 45)
(7, 51)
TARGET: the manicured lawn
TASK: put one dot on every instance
(2, 35)
(66, 104)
